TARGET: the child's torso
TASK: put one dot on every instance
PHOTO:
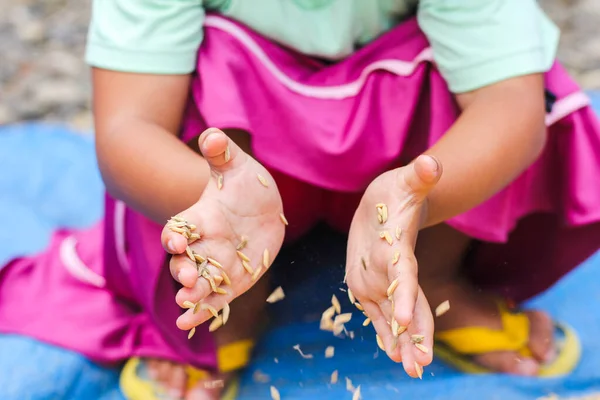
(325, 28)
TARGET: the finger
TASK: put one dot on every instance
(221, 152)
(404, 285)
(189, 319)
(203, 287)
(423, 326)
(183, 270)
(173, 239)
(508, 362)
(421, 175)
(382, 328)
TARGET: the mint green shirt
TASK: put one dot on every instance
(475, 42)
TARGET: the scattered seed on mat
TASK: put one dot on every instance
(299, 350)
(334, 377)
(329, 351)
(275, 393)
(349, 385)
(276, 296)
(262, 180)
(283, 219)
(191, 333)
(342, 319)
(442, 308)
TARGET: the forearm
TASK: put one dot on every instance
(500, 132)
(150, 169)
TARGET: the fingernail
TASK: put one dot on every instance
(171, 246)
(179, 277)
(527, 367)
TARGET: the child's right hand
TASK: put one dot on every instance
(241, 203)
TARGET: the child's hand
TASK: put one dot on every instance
(381, 266)
(240, 225)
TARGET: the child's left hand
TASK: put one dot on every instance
(381, 255)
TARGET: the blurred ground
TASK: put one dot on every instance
(42, 74)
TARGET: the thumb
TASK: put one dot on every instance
(421, 176)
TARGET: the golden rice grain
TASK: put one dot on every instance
(227, 155)
(326, 324)
(218, 279)
(188, 304)
(442, 308)
(422, 348)
(178, 218)
(226, 279)
(177, 229)
(338, 329)
(196, 308)
(226, 312)
(276, 296)
(329, 313)
(243, 256)
(396, 258)
(220, 182)
(220, 290)
(214, 262)
(266, 260)
(191, 332)
(283, 219)
(364, 263)
(386, 235)
(356, 394)
(336, 304)
(398, 232)
(382, 210)
(395, 327)
(186, 234)
(329, 351)
(349, 385)
(392, 287)
(247, 267)
(243, 243)
(302, 354)
(194, 237)
(401, 330)
(419, 370)
(366, 322)
(359, 306)
(334, 377)
(262, 180)
(351, 296)
(417, 338)
(216, 323)
(379, 342)
(191, 227)
(210, 309)
(190, 253)
(342, 319)
(275, 393)
(257, 273)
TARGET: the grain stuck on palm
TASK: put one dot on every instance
(382, 213)
(392, 288)
(283, 219)
(387, 237)
(263, 181)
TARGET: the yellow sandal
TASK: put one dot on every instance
(457, 345)
(136, 383)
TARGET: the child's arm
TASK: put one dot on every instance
(143, 163)
(499, 134)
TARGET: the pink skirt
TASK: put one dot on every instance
(325, 131)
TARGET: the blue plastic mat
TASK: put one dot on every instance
(49, 179)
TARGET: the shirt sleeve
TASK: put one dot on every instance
(145, 36)
(479, 42)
